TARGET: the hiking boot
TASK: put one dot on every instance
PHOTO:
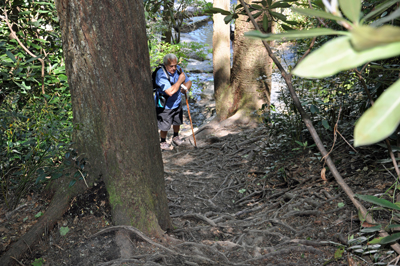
(177, 141)
(166, 146)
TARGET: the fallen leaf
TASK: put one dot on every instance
(365, 224)
(323, 174)
(351, 261)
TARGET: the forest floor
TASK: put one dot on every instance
(233, 201)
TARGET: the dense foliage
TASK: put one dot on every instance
(35, 114)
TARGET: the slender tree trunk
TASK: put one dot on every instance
(107, 63)
(251, 71)
(221, 61)
(167, 34)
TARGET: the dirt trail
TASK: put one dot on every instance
(233, 202)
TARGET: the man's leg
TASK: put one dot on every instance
(177, 122)
(163, 135)
(176, 129)
(164, 124)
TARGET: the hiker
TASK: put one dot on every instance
(169, 89)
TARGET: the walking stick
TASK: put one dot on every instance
(190, 118)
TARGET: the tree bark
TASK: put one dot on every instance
(221, 60)
(107, 64)
(251, 71)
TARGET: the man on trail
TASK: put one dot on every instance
(169, 87)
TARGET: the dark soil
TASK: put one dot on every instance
(233, 201)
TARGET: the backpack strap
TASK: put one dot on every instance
(165, 72)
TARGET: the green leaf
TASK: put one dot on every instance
(264, 3)
(383, 20)
(256, 15)
(378, 9)
(293, 34)
(375, 241)
(228, 18)
(72, 183)
(340, 205)
(286, 27)
(318, 3)
(318, 13)
(38, 262)
(325, 124)
(11, 56)
(377, 201)
(24, 13)
(37, 215)
(32, 59)
(381, 120)
(56, 175)
(218, 10)
(238, 6)
(339, 253)
(64, 230)
(390, 239)
(300, 143)
(371, 229)
(338, 55)
(265, 22)
(365, 37)
(256, 7)
(314, 109)
(41, 40)
(390, 226)
(277, 15)
(291, 22)
(280, 5)
(351, 9)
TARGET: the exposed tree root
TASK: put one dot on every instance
(59, 204)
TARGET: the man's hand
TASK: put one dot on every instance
(181, 78)
(184, 89)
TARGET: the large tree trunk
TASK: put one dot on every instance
(221, 61)
(251, 73)
(107, 63)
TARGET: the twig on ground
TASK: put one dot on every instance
(20, 263)
(395, 260)
(196, 216)
(136, 232)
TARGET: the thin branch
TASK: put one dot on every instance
(364, 85)
(14, 35)
(334, 137)
(307, 121)
(347, 142)
(319, 19)
(83, 178)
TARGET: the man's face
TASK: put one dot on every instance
(171, 67)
